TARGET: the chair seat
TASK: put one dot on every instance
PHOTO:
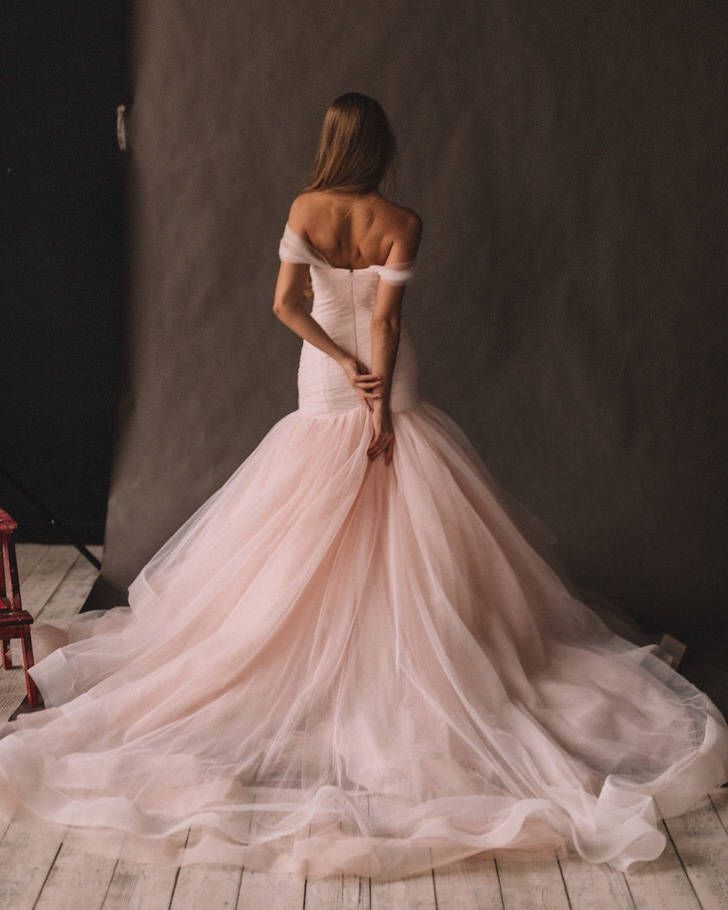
(9, 618)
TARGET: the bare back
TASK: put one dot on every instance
(356, 232)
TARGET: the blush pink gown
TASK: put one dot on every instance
(379, 675)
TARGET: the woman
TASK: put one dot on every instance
(380, 674)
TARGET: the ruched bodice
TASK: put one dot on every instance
(343, 301)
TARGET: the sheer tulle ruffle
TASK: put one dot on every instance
(336, 665)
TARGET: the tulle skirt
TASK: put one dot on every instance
(341, 666)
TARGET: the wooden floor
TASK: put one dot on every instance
(40, 871)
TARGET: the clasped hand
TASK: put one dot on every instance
(369, 387)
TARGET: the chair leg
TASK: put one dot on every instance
(7, 660)
(30, 687)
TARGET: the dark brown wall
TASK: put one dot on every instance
(569, 306)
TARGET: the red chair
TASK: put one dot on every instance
(15, 622)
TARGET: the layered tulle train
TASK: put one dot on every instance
(337, 665)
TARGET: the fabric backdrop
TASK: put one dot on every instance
(568, 308)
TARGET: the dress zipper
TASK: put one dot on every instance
(353, 312)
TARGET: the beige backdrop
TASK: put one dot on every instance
(568, 307)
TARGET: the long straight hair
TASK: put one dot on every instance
(356, 150)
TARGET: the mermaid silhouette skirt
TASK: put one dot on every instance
(380, 674)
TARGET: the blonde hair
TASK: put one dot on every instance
(357, 149)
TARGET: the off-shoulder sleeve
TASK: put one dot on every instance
(293, 248)
(396, 272)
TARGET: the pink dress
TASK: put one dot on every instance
(380, 674)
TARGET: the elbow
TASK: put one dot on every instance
(287, 303)
(281, 307)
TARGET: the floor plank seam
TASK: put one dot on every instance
(563, 882)
(111, 879)
(434, 888)
(625, 880)
(715, 809)
(176, 875)
(55, 590)
(500, 884)
(47, 876)
(682, 865)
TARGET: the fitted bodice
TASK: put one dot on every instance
(343, 301)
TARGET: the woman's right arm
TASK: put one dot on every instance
(385, 329)
(289, 308)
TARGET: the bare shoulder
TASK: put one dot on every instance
(402, 215)
(302, 207)
(405, 229)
